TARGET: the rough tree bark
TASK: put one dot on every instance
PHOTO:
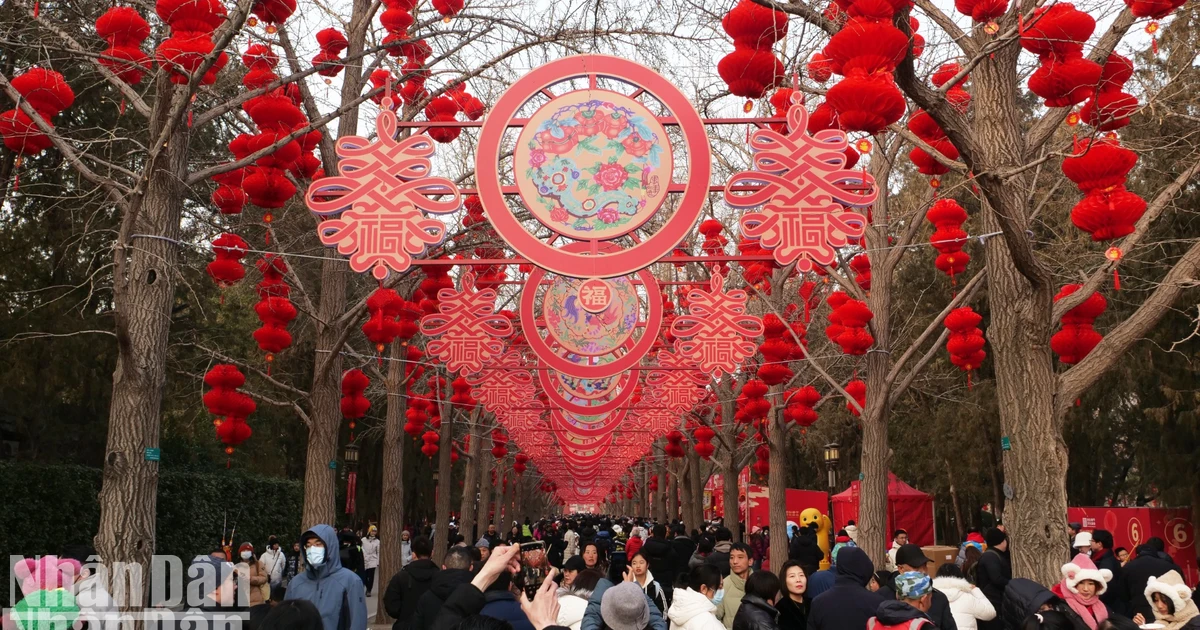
(466, 510)
(672, 494)
(445, 482)
(729, 496)
(503, 511)
(695, 507)
(142, 300)
(777, 477)
(485, 491)
(660, 495)
(391, 510)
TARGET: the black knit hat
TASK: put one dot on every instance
(995, 536)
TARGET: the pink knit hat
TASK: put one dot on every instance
(1082, 568)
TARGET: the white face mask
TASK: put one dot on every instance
(718, 596)
(246, 555)
(315, 555)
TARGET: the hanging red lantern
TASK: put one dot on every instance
(800, 402)
(353, 404)
(231, 407)
(48, 94)
(331, 42)
(858, 392)
(762, 460)
(448, 8)
(227, 269)
(124, 29)
(1154, 9)
(819, 68)
(1077, 338)
(519, 462)
(439, 110)
(1099, 163)
(1065, 81)
(866, 47)
(1058, 29)
(273, 12)
(867, 104)
(755, 26)
(948, 237)
(750, 72)
(965, 343)
(982, 10)
(430, 448)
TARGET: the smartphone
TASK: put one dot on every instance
(533, 568)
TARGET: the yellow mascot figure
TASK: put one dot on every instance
(813, 516)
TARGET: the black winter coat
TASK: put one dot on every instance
(430, 603)
(1137, 572)
(661, 555)
(1024, 597)
(992, 575)
(792, 616)
(755, 614)
(1114, 596)
(684, 548)
(847, 605)
(465, 601)
(939, 608)
(405, 590)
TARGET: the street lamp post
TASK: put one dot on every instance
(350, 455)
(831, 462)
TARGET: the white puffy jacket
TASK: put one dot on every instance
(692, 611)
(967, 603)
(570, 610)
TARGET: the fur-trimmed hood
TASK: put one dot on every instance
(1082, 568)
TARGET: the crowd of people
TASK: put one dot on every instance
(604, 573)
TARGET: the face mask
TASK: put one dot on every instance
(315, 555)
(718, 596)
(246, 555)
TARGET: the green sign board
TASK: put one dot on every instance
(152, 454)
(1005, 444)
(333, 463)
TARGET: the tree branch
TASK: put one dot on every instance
(936, 323)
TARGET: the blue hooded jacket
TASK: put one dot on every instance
(336, 591)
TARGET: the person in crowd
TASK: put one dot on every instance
(759, 541)
(968, 604)
(635, 542)
(256, 573)
(1024, 599)
(593, 558)
(847, 604)
(96, 605)
(720, 554)
(639, 567)
(970, 563)
(1083, 543)
(1104, 558)
(210, 596)
(1081, 588)
(493, 537)
(803, 548)
(274, 561)
(914, 592)
(573, 596)
(660, 554)
(740, 558)
(484, 548)
(351, 551)
(514, 534)
(296, 614)
(455, 571)
(294, 566)
(1048, 620)
(571, 537)
(1147, 562)
(703, 549)
(793, 603)
(593, 617)
(684, 547)
(370, 552)
(571, 569)
(409, 584)
(879, 579)
(500, 602)
(993, 572)
(1122, 555)
(911, 558)
(624, 607)
(1172, 603)
(974, 539)
(336, 591)
(691, 604)
(465, 608)
(405, 548)
(758, 611)
(899, 539)
(852, 532)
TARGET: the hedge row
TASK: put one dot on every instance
(49, 506)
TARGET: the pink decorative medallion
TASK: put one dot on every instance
(678, 387)
(381, 193)
(715, 333)
(590, 317)
(468, 328)
(804, 187)
(506, 384)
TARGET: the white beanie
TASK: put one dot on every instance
(1082, 568)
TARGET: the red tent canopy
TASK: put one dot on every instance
(908, 509)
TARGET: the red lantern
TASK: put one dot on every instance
(948, 236)
(227, 269)
(47, 94)
(982, 10)
(273, 12)
(755, 26)
(866, 104)
(124, 29)
(442, 109)
(430, 448)
(750, 72)
(1077, 338)
(1065, 81)
(353, 404)
(448, 8)
(858, 392)
(965, 343)
(819, 68)
(867, 47)
(1058, 29)
(1154, 9)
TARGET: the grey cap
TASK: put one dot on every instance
(483, 543)
(624, 607)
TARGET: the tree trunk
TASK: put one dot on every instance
(485, 490)
(958, 518)
(777, 480)
(695, 508)
(466, 510)
(660, 495)
(391, 510)
(685, 493)
(643, 479)
(729, 496)
(142, 300)
(672, 494)
(445, 484)
(503, 511)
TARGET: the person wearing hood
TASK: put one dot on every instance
(405, 548)
(740, 558)
(692, 607)
(1172, 600)
(703, 550)
(1104, 557)
(639, 566)
(1081, 588)
(684, 547)
(660, 556)
(573, 596)
(456, 570)
(409, 584)
(720, 554)
(852, 532)
(335, 590)
(911, 558)
(1149, 561)
(351, 551)
(968, 604)
(253, 568)
(915, 592)
(1024, 598)
(274, 561)
(847, 604)
(758, 611)
(992, 574)
(370, 552)
(803, 548)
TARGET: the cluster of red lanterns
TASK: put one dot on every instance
(389, 316)
(965, 343)
(752, 68)
(272, 12)
(948, 237)
(752, 404)
(926, 128)
(702, 437)
(848, 319)
(983, 11)
(353, 404)
(1077, 337)
(861, 266)
(230, 406)
(520, 461)
(481, 231)
(437, 277)
(461, 398)
(124, 29)
(445, 109)
(778, 348)
(674, 446)
(857, 389)
(332, 42)
(192, 24)
(866, 51)
(762, 460)
(274, 309)
(417, 414)
(1111, 106)
(227, 270)
(430, 446)
(756, 273)
(1056, 35)
(714, 244)
(1099, 168)
(799, 406)
(1155, 10)
(47, 93)
(499, 443)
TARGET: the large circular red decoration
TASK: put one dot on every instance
(613, 190)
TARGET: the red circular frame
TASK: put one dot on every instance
(487, 172)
